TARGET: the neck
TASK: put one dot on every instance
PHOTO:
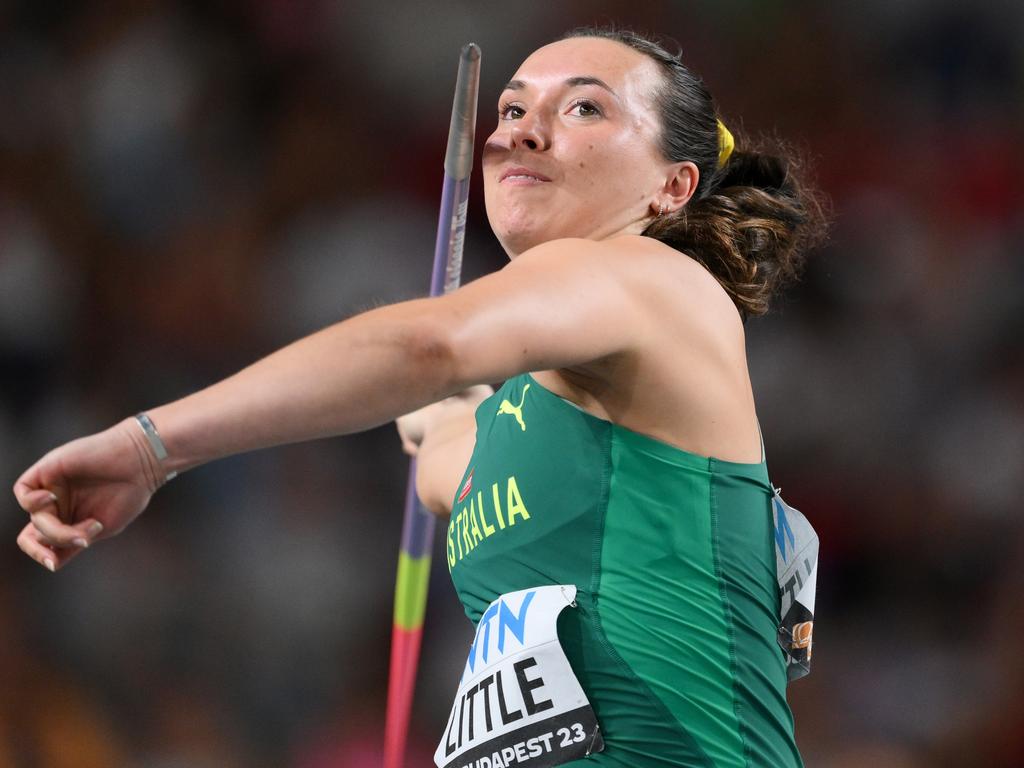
(635, 227)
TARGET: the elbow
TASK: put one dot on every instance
(431, 349)
(448, 348)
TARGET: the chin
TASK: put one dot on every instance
(518, 234)
(517, 241)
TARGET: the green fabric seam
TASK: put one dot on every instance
(599, 626)
(737, 705)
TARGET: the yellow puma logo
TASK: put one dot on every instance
(515, 410)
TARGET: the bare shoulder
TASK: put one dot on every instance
(576, 302)
(658, 276)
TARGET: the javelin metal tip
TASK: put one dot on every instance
(458, 160)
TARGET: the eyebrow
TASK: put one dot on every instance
(572, 82)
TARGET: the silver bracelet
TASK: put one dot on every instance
(149, 430)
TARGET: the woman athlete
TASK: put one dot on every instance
(621, 458)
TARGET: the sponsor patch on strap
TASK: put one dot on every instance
(519, 702)
(796, 565)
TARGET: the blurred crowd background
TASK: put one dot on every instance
(186, 186)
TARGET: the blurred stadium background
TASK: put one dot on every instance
(185, 186)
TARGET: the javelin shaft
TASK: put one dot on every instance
(451, 235)
(418, 524)
(458, 167)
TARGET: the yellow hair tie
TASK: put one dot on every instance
(726, 144)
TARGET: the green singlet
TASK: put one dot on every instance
(674, 636)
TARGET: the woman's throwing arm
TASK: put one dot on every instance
(558, 305)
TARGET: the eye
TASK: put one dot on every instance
(584, 108)
(510, 111)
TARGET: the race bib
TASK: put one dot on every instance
(519, 703)
(796, 566)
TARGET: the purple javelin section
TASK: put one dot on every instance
(444, 220)
(418, 523)
(451, 230)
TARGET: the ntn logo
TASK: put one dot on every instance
(509, 621)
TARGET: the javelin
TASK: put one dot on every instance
(418, 524)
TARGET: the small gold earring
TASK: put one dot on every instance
(661, 210)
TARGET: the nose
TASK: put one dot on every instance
(530, 132)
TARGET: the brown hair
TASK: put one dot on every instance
(750, 222)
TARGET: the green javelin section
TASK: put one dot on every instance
(411, 591)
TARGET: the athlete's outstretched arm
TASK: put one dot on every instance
(561, 304)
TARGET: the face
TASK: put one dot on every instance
(576, 151)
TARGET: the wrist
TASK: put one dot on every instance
(155, 446)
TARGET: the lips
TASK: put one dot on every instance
(521, 175)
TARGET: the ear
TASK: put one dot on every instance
(680, 184)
